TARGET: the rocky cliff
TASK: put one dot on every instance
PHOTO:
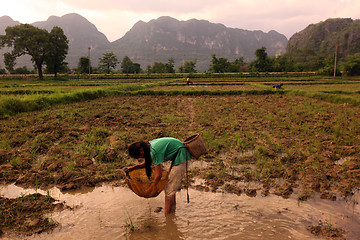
(167, 37)
(158, 40)
(323, 38)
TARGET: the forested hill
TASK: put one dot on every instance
(159, 40)
(321, 39)
(167, 37)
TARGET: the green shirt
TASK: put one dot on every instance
(164, 149)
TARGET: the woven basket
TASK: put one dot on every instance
(139, 183)
(196, 146)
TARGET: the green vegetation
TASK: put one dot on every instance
(222, 65)
(22, 96)
(43, 47)
(84, 66)
(160, 67)
(262, 62)
(56, 54)
(325, 47)
(78, 129)
(108, 62)
(311, 48)
(25, 214)
(352, 65)
(128, 66)
(188, 67)
(303, 138)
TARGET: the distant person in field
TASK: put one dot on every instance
(188, 81)
(278, 86)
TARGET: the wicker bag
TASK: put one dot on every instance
(139, 183)
(196, 146)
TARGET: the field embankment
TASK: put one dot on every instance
(302, 139)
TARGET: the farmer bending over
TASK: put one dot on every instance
(157, 151)
(188, 81)
(278, 86)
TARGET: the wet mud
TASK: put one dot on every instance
(25, 214)
(259, 146)
(111, 212)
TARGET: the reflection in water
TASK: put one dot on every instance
(172, 229)
(117, 213)
(156, 227)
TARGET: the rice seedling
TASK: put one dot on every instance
(71, 166)
(298, 131)
(129, 224)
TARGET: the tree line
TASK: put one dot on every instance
(49, 50)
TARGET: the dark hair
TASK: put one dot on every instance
(134, 151)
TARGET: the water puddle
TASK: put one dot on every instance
(200, 164)
(248, 153)
(109, 212)
(341, 161)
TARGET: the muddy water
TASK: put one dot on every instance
(117, 213)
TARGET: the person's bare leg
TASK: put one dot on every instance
(170, 204)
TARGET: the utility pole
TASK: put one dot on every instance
(183, 65)
(154, 49)
(336, 47)
(89, 60)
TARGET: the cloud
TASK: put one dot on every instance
(286, 17)
(145, 6)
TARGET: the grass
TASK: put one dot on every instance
(16, 214)
(14, 100)
(290, 131)
(24, 96)
(129, 224)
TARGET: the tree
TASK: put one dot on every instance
(305, 60)
(219, 65)
(127, 66)
(58, 49)
(262, 62)
(148, 69)
(137, 68)
(27, 39)
(169, 66)
(188, 67)
(83, 65)
(352, 65)
(23, 70)
(9, 61)
(108, 62)
(2, 71)
(328, 67)
(238, 65)
(283, 64)
(158, 67)
(222, 65)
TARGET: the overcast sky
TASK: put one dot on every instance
(115, 17)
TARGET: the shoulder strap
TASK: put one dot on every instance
(174, 157)
(187, 177)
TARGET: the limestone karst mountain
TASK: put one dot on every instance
(159, 40)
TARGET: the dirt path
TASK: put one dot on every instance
(188, 108)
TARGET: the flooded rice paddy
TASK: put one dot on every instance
(109, 212)
(264, 146)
